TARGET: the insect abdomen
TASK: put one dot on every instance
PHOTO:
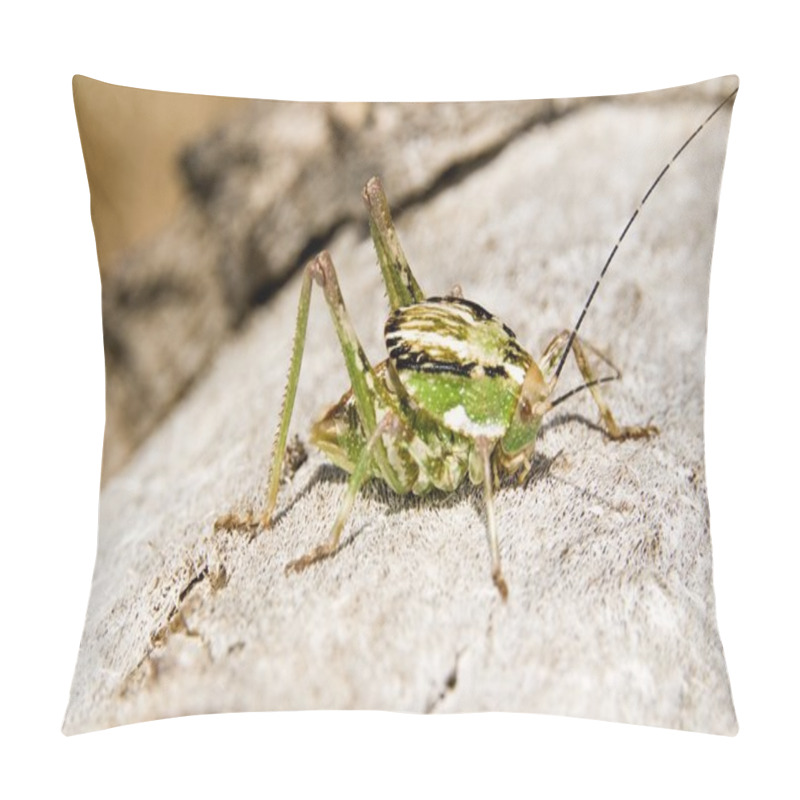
(426, 455)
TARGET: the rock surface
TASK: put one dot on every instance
(606, 550)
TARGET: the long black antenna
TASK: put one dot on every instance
(635, 214)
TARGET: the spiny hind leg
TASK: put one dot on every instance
(401, 286)
(367, 390)
(551, 358)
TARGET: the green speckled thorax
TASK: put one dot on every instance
(459, 363)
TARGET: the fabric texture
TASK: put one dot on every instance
(605, 548)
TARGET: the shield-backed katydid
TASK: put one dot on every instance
(457, 396)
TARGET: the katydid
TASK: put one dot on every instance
(458, 397)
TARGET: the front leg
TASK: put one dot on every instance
(484, 447)
(552, 356)
(614, 430)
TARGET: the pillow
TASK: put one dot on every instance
(597, 598)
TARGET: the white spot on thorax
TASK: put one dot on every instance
(457, 420)
(516, 373)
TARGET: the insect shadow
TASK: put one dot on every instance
(324, 473)
(393, 503)
(569, 418)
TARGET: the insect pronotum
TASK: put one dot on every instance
(457, 397)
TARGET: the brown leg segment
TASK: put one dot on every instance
(485, 451)
(551, 357)
(614, 430)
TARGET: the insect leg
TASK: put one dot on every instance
(362, 378)
(359, 475)
(401, 286)
(552, 356)
(485, 452)
(249, 522)
(369, 391)
(614, 430)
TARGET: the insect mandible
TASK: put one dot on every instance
(458, 397)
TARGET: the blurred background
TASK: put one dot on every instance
(203, 206)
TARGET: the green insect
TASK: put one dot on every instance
(458, 397)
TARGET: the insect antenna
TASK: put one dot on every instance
(613, 252)
(571, 392)
(589, 384)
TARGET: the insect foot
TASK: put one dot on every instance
(319, 553)
(632, 432)
(247, 523)
(500, 583)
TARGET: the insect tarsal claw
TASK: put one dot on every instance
(241, 524)
(633, 432)
(500, 583)
(266, 520)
